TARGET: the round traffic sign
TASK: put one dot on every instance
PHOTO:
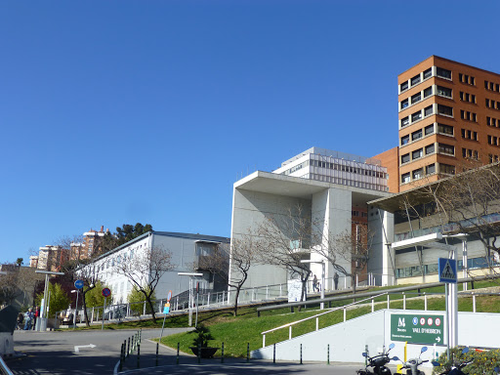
(78, 284)
(106, 292)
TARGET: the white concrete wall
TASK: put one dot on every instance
(348, 340)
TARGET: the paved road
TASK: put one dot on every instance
(56, 353)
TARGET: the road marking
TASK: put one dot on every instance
(77, 348)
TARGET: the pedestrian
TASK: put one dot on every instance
(315, 283)
(336, 280)
(36, 315)
(28, 319)
(20, 320)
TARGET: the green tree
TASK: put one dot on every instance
(128, 232)
(59, 299)
(94, 297)
(136, 299)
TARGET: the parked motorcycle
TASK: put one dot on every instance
(455, 369)
(411, 365)
(377, 364)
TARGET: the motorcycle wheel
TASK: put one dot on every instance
(385, 371)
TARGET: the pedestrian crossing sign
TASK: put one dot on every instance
(447, 270)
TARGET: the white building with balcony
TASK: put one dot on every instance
(328, 185)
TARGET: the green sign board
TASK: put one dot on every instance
(418, 329)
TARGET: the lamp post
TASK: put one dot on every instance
(42, 321)
(191, 276)
(323, 265)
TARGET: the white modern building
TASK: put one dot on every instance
(332, 189)
(186, 251)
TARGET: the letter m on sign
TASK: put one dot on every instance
(401, 322)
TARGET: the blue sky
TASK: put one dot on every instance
(118, 112)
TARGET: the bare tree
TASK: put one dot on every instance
(86, 271)
(466, 203)
(145, 269)
(241, 255)
(17, 284)
(285, 241)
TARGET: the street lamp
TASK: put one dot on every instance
(42, 326)
(191, 276)
(323, 264)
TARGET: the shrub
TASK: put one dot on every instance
(484, 362)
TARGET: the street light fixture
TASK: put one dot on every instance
(42, 326)
(323, 264)
(191, 276)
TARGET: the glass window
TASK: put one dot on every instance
(415, 80)
(404, 104)
(445, 110)
(417, 154)
(416, 116)
(445, 129)
(446, 168)
(444, 91)
(443, 73)
(446, 149)
(405, 140)
(405, 121)
(405, 177)
(429, 129)
(416, 98)
(430, 169)
(428, 110)
(405, 158)
(404, 86)
(427, 73)
(416, 135)
(417, 174)
(428, 92)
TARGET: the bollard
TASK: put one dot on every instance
(138, 355)
(222, 354)
(140, 335)
(274, 353)
(300, 353)
(248, 352)
(199, 353)
(328, 354)
(121, 359)
(128, 347)
(157, 346)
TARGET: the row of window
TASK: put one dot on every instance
(494, 141)
(469, 134)
(346, 182)
(493, 104)
(429, 129)
(426, 74)
(493, 158)
(466, 97)
(467, 79)
(467, 115)
(347, 168)
(491, 86)
(474, 263)
(417, 154)
(440, 109)
(417, 174)
(470, 154)
(491, 121)
(438, 90)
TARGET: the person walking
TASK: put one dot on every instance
(36, 315)
(315, 284)
(28, 319)
(336, 280)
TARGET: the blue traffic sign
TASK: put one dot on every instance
(78, 284)
(447, 270)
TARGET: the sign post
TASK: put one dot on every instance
(106, 293)
(166, 310)
(447, 269)
(417, 329)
